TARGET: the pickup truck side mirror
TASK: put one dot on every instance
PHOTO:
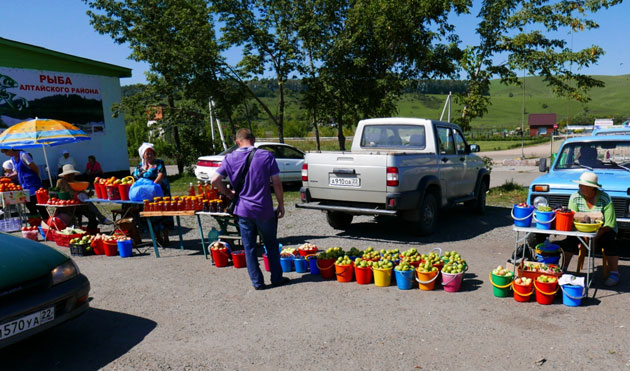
(473, 148)
(542, 165)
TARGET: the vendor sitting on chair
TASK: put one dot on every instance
(89, 210)
(591, 198)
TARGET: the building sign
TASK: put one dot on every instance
(26, 94)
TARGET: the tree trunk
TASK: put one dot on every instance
(178, 144)
(340, 136)
(316, 132)
(281, 115)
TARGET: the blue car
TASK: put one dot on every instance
(608, 156)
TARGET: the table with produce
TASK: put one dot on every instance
(544, 277)
(13, 196)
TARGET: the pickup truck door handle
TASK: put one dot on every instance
(444, 159)
(345, 171)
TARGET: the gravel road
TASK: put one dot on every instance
(181, 313)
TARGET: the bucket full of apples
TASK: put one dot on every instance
(32, 233)
(501, 280)
(546, 289)
(523, 289)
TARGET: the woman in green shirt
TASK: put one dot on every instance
(591, 198)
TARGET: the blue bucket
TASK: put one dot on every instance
(125, 248)
(312, 263)
(544, 219)
(286, 264)
(405, 279)
(301, 265)
(547, 259)
(572, 295)
(522, 215)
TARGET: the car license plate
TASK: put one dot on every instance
(344, 181)
(26, 323)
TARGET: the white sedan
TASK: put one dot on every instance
(289, 159)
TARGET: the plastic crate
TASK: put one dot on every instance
(64, 239)
(80, 249)
(10, 224)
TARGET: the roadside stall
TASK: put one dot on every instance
(13, 200)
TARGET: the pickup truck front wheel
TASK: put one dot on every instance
(428, 215)
(339, 220)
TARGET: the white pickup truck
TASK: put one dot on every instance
(404, 167)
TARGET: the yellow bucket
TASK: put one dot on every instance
(382, 277)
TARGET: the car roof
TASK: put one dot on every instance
(599, 138)
(612, 131)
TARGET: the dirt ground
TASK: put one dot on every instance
(179, 312)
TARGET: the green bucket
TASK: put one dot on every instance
(64, 195)
(501, 285)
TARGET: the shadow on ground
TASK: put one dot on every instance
(89, 342)
(456, 224)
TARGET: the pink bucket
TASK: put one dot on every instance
(452, 282)
(266, 261)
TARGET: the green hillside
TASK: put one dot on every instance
(505, 110)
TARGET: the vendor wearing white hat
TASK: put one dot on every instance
(65, 159)
(9, 171)
(591, 198)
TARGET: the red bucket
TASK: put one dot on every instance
(238, 258)
(112, 192)
(522, 293)
(326, 268)
(304, 252)
(564, 221)
(97, 245)
(123, 189)
(545, 292)
(363, 275)
(266, 261)
(100, 192)
(220, 257)
(42, 198)
(344, 272)
(111, 248)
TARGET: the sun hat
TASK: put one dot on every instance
(68, 169)
(588, 179)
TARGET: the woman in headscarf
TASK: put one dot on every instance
(27, 174)
(154, 169)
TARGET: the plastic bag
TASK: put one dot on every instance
(144, 189)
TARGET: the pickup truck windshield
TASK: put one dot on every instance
(394, 136)
(594, 155)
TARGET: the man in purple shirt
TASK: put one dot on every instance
(254, 206)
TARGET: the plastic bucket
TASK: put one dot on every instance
(266, 261)
(98, 248)
(544, 219)
(426, 280)
(112, 192)
(301, 265)
(312, 263)
(111, 248)
(522, 215)
(305, 253)
(452, 282)
(547, 259)
(344, 273)
(123, 190)
(382, 277)
(220, 257)
(363, 275)
(501, 285)
(286, 264)
(326, 268)
(42, 198)
(238, 259)
(522, 293)
(404, 279)
(545, 292)
(564, 221)
(572, 295)
(125, 248)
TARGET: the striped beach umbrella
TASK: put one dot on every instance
(41, 132)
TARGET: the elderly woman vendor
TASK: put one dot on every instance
(154, 169)
(89, 210)
(591, 198)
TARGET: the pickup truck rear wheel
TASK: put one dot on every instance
(428, 215)
(478, 205)
(339, 220)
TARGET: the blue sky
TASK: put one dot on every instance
(62, 25)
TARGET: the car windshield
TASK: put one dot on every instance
(594, 155)
(229, 150)
(394, 136)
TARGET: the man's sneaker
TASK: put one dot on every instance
(612, 280)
